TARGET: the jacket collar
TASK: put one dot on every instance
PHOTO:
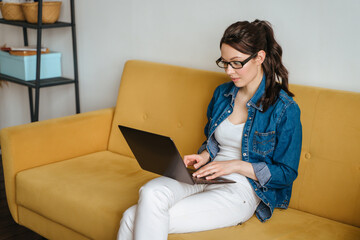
(252, 102)
(258, 94)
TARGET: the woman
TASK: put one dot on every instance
(253, 137)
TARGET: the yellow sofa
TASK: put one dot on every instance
(73, 177)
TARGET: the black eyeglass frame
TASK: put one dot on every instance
(226, 64)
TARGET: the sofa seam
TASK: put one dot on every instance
(51, 220)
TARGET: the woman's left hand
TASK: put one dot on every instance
(217, 169)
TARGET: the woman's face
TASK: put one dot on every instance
(250, 75)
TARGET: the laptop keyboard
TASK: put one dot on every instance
(207, 181)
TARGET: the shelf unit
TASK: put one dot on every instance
(37, 84)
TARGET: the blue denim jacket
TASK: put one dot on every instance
(271, 142)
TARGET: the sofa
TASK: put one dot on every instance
(73, 177)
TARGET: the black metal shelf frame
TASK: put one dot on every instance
(34, 26)
(49, 82)
(37, 83)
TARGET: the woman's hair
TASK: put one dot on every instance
(250, 38)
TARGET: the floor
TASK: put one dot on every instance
(9, 229)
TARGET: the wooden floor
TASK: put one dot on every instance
(9, 229)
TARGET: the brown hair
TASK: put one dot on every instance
(250, 38)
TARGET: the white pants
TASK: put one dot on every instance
(168, 206)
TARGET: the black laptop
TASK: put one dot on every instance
(158, 154)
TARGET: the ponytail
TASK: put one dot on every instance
(275, 72)
(250, 38)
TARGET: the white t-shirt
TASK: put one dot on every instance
(229, 137)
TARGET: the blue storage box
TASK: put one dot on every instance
(24, 67)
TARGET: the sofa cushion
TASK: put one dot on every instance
(284, 225)
(87, 194)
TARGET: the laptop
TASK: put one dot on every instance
(158, 154)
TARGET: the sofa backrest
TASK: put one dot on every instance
(164, 99)
(329, 173)
(172, 101)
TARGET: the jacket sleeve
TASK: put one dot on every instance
(283, 169)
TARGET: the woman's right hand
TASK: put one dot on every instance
(197, 160)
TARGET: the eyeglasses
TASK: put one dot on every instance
(234, 64)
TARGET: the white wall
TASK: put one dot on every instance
(319, 39)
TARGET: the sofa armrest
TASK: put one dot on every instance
(36, 144)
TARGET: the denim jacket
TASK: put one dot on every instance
(271, 142)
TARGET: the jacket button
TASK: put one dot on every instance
(245, 135)
(307, 155)
(229, 111)
(244, 154)
(215, 124)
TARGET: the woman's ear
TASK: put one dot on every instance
(260, 57)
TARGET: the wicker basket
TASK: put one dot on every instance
(12, 12)
(50, 13)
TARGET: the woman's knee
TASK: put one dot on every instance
(127, 224)
(155, 192)
(129, 217)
